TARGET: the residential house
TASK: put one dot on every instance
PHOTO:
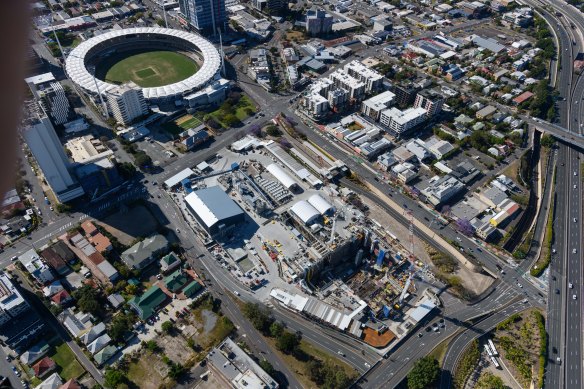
(62, 298)
(145, 252)
(98, 344)
(34, 353)
(105, 354)
(55, 261)
(43, 367)
(53, 382)
(169, 262)
(93, 333)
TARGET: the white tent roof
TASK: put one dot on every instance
(320, 204)
(305, 212)
(281, 175)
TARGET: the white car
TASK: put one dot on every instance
(342, 354)
(570, 285)
(236, 293)
(574, 251)
(519, 285)
(574, 297)
(575, 173)
(575, 220)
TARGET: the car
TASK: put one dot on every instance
(177, 231)
(519, 285)
(553, 278)
(15, 258)
(458, 238)
(574, 251)
(342, 354)
(559, 360)
(563, 164)
(575, 173)
(575, 186)
(441, 320)
(428, 329)
(51, 208)
(436, 329)
(236, 293)
(557, 291)
(554, 251)
(570, 285)
(554, 350)
(434, 325)
(420, 335)
(575, 220)
(574, 297)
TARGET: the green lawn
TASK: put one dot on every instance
(151, 69)
(242, 106)
(69, 367)
(192, 122)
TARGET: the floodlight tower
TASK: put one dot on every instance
(103, 104)
(164, 13)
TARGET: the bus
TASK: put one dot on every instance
(492, 345)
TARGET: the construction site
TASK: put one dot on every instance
(278, 224)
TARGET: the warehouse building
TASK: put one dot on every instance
(215, 211)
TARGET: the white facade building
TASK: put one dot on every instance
(372, 79)
(431, 102)
(372, 107)
(48, 151)
(399, 122)
(355, 87)
(12, 303)
(127, 103)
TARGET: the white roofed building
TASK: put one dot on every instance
(283, 177)
(320, 204)
(304, 211)
(215, 211)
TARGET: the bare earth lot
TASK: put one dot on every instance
(123, 225)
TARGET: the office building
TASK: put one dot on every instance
(318, 22)
(48, 151)
(52, 97)
(127, 103)
(206, 16)
(442, 189)
(12, 303)
(430, 101)
(399, 122)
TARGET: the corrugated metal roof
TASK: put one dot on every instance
(212, 205)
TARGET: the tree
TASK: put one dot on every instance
(167, 327)
(465, 227)
(126, 169)
(259, 317)
(113, 378)
(131, 289)
(490, 381)
(87, 300)
(268, 368)
(273, 131)
(142, 159)
(230, 120)
(314, 367)
(424, 373)
(276, 329)
(152, 346)
(63, 208)
(287, 342)
(547, 141)
(121, 324)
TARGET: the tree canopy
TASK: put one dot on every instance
(424, 373)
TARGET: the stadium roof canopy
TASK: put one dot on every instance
(78, 73)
